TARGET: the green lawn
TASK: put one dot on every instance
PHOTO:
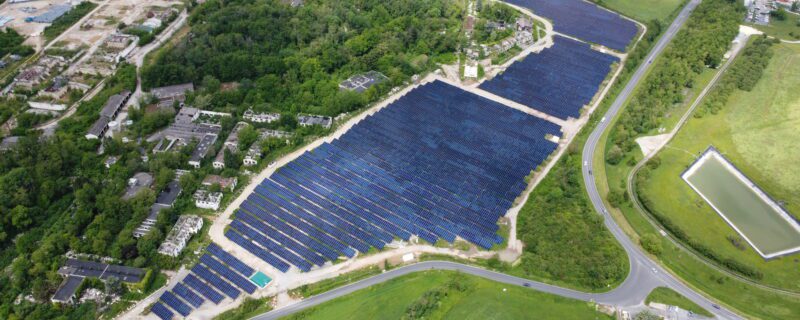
(482, 299)
(669, 297)
(758, 131)
(749, 300)
(644, 10)
(788, 29)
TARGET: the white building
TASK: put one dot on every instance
(185, 227)
(207, 200)
(250, 115)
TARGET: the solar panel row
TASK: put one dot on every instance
(203, 288)
(585, 21)
(230, 260)
(558, 81)
(438, 163)
(258, 251)
(161, 311)
(176, 304)
(188, 295)
(228, 274)
(216, 281)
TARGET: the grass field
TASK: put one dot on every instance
(644, 10)
(482, 299)
(752, 301)
(788, 29)
(752, 214)
(669, 297)
(758, 131)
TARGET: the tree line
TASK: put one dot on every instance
(700, 44)
(292, 59)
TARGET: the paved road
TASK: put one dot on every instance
(645, 270)
(644, 274)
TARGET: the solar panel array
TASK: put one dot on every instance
(217, 273)
(585, 21)
(161, 311)
(558, 81)
(438, 163)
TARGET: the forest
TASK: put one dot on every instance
(565, 239)
(699, 45)
(56, 195)
(292, 59)
(11, 42)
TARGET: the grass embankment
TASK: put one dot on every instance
(449, 295)
(671, 298)
(249, 308)
(758, 131)
(788, 29)
(644, 10)
(749, 299)
(68, 19)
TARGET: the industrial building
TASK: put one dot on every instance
(185, 227)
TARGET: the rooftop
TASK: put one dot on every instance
(362, 82)
(67, 289)
(139, 181)
(203, 147)
(170, 193)
(173, 91)
(82, 268)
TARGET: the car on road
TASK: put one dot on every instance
(527, 285)
(716, 306)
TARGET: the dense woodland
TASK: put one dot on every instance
(700, 44)
(56, 195)
(292, 59)
(11, 42)
(565, 239)
(743, 75)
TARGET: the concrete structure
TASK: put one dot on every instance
(185, 227)
(110, 161)
(55, 12)
(207, 200)
(47, 106)
(110, 111)
(168, 94)
(204, 146)
(164, 200)
(139, 181)
(231, 144)
(362, 82)
(8, 143)
(224, 183)
(250, 115)
(313, 120)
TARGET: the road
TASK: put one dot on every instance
(644, 274)
(642, 268)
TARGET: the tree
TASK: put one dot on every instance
(651, 243)
(247, 136)
(780, 14)
(614, 155)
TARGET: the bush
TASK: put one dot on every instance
(651, 243)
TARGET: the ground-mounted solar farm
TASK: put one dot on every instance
(558, 81)
(218, 275)
(438, 163)
(585, 21)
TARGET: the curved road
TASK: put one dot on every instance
(644, 275)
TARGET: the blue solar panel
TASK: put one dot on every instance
(257, 250)
(558, 81)
(188, 295)
(202, 288)
(230, 260)
(216, 281)
(585, 21)
(176, 304)
(438, 163)
(227, 273)
(161, 311)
